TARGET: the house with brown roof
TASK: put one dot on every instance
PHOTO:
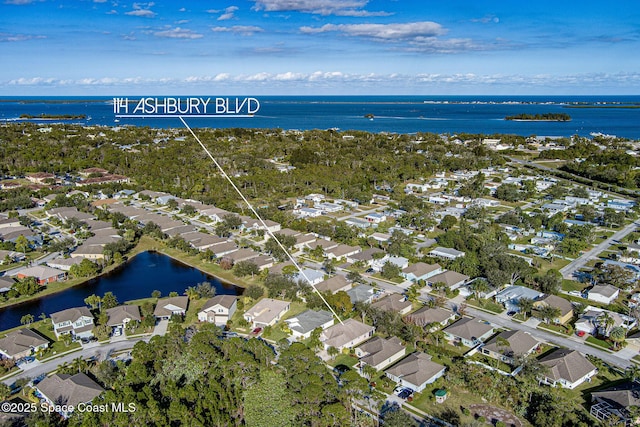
(469, 332)
(77, 321)
(22, 343)
(431, 316)
(39, 177)
(380, 353)
(452, 279)
(218, 309)
(508, 346)
(567, 368)
(415, 371)
(342, 251)
(565, 306)
(617, 402)
(267, 312)
(334, 284)
(118, 317)
(67, 391)
(167, 307)
(346, 335)
(394, 303)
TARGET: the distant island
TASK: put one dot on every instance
(368, 116)
(54, 116)
(547, 117)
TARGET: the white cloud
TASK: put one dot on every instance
(229, 13)
(142, 9)
(18, 2)
(178, 33)
(4, 37)
(318, 7)
(397, 31)
(245, 30)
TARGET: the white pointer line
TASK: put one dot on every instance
(260, 219)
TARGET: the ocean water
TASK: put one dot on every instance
(612, 115)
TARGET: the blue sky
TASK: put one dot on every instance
(298, 47)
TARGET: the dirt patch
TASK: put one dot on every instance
(493, 414)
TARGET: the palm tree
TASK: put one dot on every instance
(478, 287)
(191, 292)
(632, 372)
(333, 352)
(606, 322)
(525, 305)
(369, 371)
(549, 313)
(27, 319)
(617, 335)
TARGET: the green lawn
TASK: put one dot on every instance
(559, 329)
(343, 359)
(573, 285)
(598, 342)
(486, 305)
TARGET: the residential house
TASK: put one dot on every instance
(346, 334)
(334, 284)
(508, 346)
(309, 275)
(420, 271)
(380, 353)
(43, 274)
(65, 392)
(357, 222)
(218, 309)
(591, 321)
(64, 264)
(510, 296)
(22, 343)
(167, 307)
(395, 303)
(469, 332)
(365, 256)
(77, 321)
(617, 402)
(91, 252)
(567, 368)
(431, 316)
(306, 322)
(267, 312)
(415, 371)
(341, 251)
(446, 253)
(361, 293)
(605, 294)
(118, 317)
(565, 306)
(452, 279)
(375, 218)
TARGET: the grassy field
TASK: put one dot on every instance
(486, 305)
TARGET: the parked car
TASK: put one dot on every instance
(256, 331)
(405, 393)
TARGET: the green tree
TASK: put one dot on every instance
(26, 286)
(617, 336)
(548, 313)
(22, 244)
(5, 391)
(390, 271)
(27, 319)
(447, 222)
(245, 268)
(254, 292)
(109, 300)
(333, 352)
(525, 305)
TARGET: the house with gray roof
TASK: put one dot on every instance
(361, 293)
(605, 294)
(167, 307)
(379, 352)
(617, 402)
(341, 251)
(267, 312)
(22, 343)
(77, 321)
(567, 368)
(420, 271)
(415, 371)
(346, 335)
(310, 276)
(469, 332)
(304, 323)
(508, 346)
(510, 296)
(67, 391)
(446, 253)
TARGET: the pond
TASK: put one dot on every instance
(146, 272)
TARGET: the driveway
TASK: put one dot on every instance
(161, 328)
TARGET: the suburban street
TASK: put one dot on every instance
(575, 265)
(99, 351)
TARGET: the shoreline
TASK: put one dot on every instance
(136, 250)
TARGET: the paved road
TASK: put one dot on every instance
(568, 270)
(99, 351)
(569, 342)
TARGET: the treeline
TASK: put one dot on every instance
(555, 117)
(55, 116)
